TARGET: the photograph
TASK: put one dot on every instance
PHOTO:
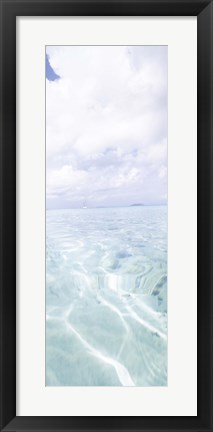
(106, 215)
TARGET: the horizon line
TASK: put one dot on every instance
(101, 207)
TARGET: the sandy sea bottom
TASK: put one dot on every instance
(106, 297)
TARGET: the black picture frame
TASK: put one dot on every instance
(203, 9)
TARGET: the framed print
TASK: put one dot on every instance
(106, 213)
(115, 266)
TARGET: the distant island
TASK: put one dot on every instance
(136, 205)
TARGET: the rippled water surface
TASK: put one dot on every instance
(106, 297)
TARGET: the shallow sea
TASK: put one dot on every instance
(106, 297)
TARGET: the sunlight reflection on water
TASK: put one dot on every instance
(106, 297)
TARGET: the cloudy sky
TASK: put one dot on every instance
(106, 125)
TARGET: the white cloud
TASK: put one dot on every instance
(106, 125)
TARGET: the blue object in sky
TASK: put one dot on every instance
(50, 73)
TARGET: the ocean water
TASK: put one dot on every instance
(106, 297)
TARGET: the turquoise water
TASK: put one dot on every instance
(106, 297)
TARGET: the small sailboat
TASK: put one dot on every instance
(84, 204)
